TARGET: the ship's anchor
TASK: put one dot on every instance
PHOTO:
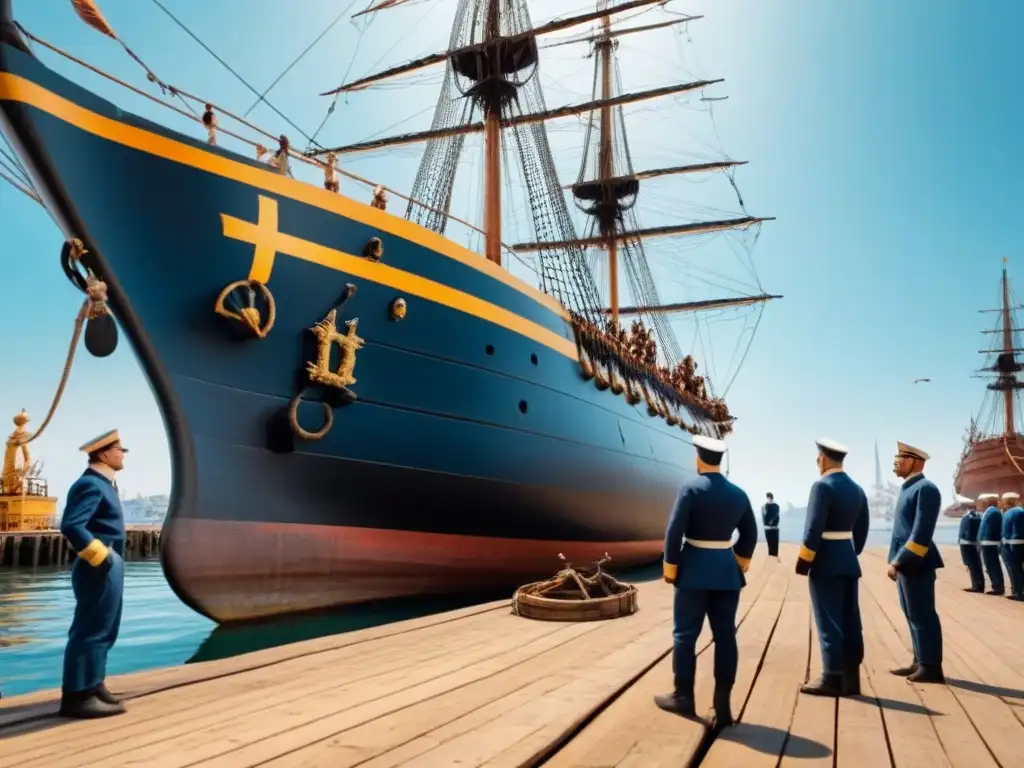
(100, 328)
(243, 312)
(319, 370)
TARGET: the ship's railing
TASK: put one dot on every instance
(327, 170)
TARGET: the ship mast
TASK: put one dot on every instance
(492, 135)
(606, 168)
(1008, 393)
(1006, 366)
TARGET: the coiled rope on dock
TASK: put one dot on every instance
(575, 596)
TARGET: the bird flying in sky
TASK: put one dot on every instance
(917, 380)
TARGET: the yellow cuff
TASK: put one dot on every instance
(806, 554)
(918, 549)
(744, 562)
(669, 570)
(95, 552)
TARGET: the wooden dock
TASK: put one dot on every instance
(32, 549)
(478, 686)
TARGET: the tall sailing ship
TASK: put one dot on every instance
(992, 460)
(358, 406)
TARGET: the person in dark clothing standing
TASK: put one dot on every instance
(913, 560)
(967, 536)
(770, 518)
(707, 570)
(93, 523)
(834, 536)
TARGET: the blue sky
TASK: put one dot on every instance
(884, 136)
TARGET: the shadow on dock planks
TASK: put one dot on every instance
(478, 686)
(33, 549)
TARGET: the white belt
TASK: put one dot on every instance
(771, 527)
(837, 535)
(966, 543)
(1013, 541)
(704, 544)
(989, 543)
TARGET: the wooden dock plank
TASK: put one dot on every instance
(136, 685)
(814, 721)
(760, 734)
(633, 732)
(960, 742)
(861, 739)
(178, 709)
(976, 728)
(480, 687)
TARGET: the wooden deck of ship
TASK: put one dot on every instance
(478, 686)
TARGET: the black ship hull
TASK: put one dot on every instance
(475, 452)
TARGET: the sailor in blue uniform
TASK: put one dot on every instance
(834, 536)
(1013, 545)
(770, 518)
(913, 560)
(93, 524)
(707, 571)
(990, 536)
(967, 535)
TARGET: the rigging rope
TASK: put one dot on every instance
(181, 94)
(300, 57)
(223, 63)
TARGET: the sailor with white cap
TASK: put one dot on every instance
(967, 535)
(913, 560)
(834, 536)
(707, 571)
(93, 523)
(990, 535)
(1013, 544)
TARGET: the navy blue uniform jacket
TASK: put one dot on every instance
(836, 504)
(917, 511)
(708, 509)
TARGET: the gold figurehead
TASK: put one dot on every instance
(25, 503)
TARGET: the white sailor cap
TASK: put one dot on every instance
(988, 496)
(1010, 496)
(962, 499)
(709, 444)
(105, 440)
(909, 451)
(831, 445)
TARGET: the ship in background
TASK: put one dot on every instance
(469, 426)
(992, 460)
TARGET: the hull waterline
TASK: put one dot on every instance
(475, 452)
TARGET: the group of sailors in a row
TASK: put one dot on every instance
(707, 570)
(993, 530)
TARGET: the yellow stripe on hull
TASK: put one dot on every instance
(14, 88)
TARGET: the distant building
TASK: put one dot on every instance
(883, 495)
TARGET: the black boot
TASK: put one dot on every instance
(905, 671)
(106, 696)
(929, 674)
(679, 702)
(971, 589)
(829, 684)
(86, 705)
(851, 681)
(995, 592)
(723, 706)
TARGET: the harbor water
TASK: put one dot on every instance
(157, 630)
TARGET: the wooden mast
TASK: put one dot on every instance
(606, 158)
(492, 144)
(1009, 429)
